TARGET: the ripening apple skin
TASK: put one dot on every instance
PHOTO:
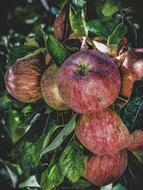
(131, 70)
(22, 80)
(88, 81)
(133, 63)
(102, 132)
(102, 170)
(137, 143)
(49, 89)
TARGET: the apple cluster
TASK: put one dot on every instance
(89, 83)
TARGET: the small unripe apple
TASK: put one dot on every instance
(22, 80)
(137, 143)
(102, 170)
(88, 81)
(102, 132)
(49, 89)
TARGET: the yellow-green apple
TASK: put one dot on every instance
(49, 89)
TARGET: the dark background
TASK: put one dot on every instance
(7, 7)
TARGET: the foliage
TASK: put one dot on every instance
(56, 50)
(72, 161)
(38, 148)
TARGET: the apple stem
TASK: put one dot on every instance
(120, 58)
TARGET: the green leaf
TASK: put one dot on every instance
(134, 31)
(101, 28)
(119, 187)
(27, 153)
(138, 156)
(77, 21)
(51, 177)
(38, 149)
(31, 42)
(81, 184)
(26, 161)
(138, 89)
(78, 3)
(18, 52)
(11, 171)
(57, 51)
(117, 35)
(42, 142)
(107, 187)
(5, 101)
(27, 110)
(34, 53)
(48, 136)
(68, 129)
(30, 182)
(72, 161)
(133, 113)
(13, 125)
(110, 7)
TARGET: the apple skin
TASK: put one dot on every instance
(22, 80)
(88, 81)
(102, 170)
(131, 70)
(137, 143)
(133, 63)
(102, 132)
(49, 89)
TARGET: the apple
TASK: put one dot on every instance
(22, 80)
(137, 143)
(88, 81)
(133, 63)
(131, 70)
(102, 132)
(49, 89)
(102, 170)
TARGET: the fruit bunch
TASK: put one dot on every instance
(91, 80)
(88, 82)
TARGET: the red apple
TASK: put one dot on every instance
(102, 132)
(88, 81)
(131, 70)
(22, 80)
(50, 91)
(102, 170)
(133, 63)
(137, 143)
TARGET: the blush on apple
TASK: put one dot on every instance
(131, 70)
(88, 81)
(22, 80)
(102, 132)
(49, 89)
(137, 143)
(102, 170)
